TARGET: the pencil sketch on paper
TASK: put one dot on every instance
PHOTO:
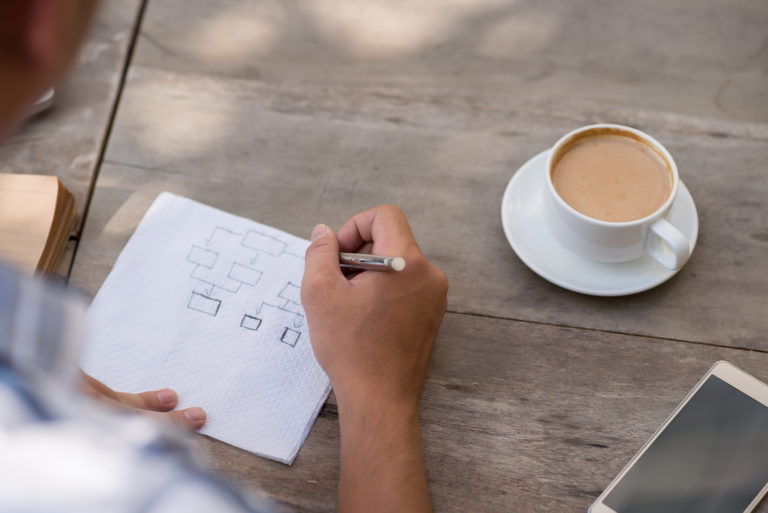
(228, 263)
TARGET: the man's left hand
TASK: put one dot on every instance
(156, 402)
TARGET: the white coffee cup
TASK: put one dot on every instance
(608, 241)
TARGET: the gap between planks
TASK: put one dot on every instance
(598, 330)
(108, 130)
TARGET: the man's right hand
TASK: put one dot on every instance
(373, 335)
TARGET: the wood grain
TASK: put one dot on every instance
(516, 417)
(297, 112)
(295, 156)
(655, 55)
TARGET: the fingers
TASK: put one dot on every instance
(190, 418)
(160, 403)
(385, 227)
(154, 400)
(366, 248)
(95, 388)
(322, 260)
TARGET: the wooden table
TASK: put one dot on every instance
(303, 111)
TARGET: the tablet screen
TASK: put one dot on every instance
(712, 457)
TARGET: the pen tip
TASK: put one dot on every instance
(398, 263)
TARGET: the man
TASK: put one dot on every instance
(372, 333)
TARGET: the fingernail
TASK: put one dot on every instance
(194, 414)
(319, 231)
(167, 396)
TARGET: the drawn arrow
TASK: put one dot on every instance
(209, 239)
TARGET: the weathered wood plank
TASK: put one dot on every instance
(292, 156)
(516, 417)
(66, 140)
(65, 262)
(515, 414)
(293, 117)
(653, 55)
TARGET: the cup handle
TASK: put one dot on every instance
(667, 245)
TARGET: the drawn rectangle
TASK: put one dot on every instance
(290, 337)
(250, 322)
(292, 293)
(265, 243)
(202, 256)
(292, 307)
(203, 303)
(244, 274)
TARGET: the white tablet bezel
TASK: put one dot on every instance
(729, 373)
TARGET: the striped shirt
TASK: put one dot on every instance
(61, 451)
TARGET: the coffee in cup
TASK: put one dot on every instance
(612, 176)
(611, 188)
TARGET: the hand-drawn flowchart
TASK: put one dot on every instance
(208, 303)
(229, 263)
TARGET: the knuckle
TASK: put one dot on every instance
(441, 280)
(415, 259)
(395, 215)
(393, 209)
(178, 417)
(318, 248)
(147, 400)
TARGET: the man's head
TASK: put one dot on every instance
(38, 42)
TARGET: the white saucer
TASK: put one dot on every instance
(524, 223)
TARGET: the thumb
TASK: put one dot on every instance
(322, 257)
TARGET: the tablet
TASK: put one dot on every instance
(710, 455)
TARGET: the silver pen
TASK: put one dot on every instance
(371, 262)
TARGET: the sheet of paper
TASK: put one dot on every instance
(208, 304)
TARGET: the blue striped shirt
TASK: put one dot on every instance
(61, 451)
